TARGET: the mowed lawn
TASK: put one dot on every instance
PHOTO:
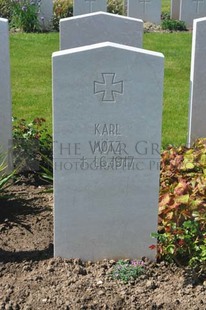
(166, 5)
(32, 78)
(176, 47)
(31, 75)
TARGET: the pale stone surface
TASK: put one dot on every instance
(197, 113)
(88, 6)
(5, 94)
(192, 9)
(100, 27)
(147, 10)
(107, 112)
(175, 9)
(125, 7)
(46, 14)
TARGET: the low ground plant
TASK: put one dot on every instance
(115, 7)
(173, 25)
(182, 208)
(126, 270)
(5, 9)
(62, 9)
(24, 15)
(4, 177)
(32, 145)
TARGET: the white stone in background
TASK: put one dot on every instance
(107, 113)
(147, 10)
(175, 9)
(192, 9)
(88, 6)
(5, 94)
(46, 14)
(100, 27)
(197, 113)
(125, 7)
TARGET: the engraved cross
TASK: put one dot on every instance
(90, 5)
(108, 87)
(198, 4)
(144, 2)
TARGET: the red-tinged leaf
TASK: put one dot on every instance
(174, 206)
(165, 200)
(181, 242)
(169, 215)
(176, 162)
(186, 214)
(181, 188)
(167, 228)
(152, 247)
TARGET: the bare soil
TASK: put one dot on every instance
(31, 279)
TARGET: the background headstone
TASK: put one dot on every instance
(5, 94)
(100, 27)
(125, 7)
(192, 9)
(147, 10)
(88, 6)
(107, 111)
(175, 9)
(46, 14)
(197, 113)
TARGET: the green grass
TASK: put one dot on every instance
(31, 74)
(165, 5)
(176, 48)
(32, 86)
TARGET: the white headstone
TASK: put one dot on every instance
(147, 10)
(197, 113)
(100, 27)
(192, 9)
(5, 94)
(88, 6)
(46, 14)
(125, 7)
(175, 9)
(107, 111)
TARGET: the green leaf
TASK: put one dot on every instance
(184, 199)
(170, 249)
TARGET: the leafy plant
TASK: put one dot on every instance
(165, 15)
(127, 270)
(46, 173)
(25, 15)
(32, 144)
(173, 24)
(4, 178)
(62, 9)
(5, 9)
(182, 207)
(115, 7)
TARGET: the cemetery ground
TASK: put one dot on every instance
(32, 279)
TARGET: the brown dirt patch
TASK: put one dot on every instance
(31, 279)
